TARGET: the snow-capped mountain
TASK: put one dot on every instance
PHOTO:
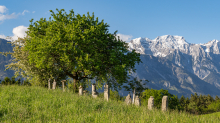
(171, 63)
(161, 46)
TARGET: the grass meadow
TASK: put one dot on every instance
(22, 104)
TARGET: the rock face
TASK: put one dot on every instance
(182, 68)
(5, 47)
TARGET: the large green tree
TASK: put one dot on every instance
(80, 47)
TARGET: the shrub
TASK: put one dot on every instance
(214, 106)
(158, 95)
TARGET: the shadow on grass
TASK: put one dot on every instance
(2, 113)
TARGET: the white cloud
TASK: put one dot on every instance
(3, 9)
(24, 12)
(126, 38)
(3, 36)
(33, 12)
(4, 17)
(19, 32)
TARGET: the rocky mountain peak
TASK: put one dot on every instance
(185, 67)
(160, 46)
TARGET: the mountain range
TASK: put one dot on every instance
(5, 46)
(182, 68)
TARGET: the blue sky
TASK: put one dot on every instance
(198, 21)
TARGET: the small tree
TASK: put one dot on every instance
(182, 102)
(217, 98)
(158, 95)
(6, 81)
(136, 87)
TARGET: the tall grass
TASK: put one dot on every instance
(36, 104)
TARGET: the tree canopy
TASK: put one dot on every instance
(79, 47)
(23, 68)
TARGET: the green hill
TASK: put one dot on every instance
(37, 104)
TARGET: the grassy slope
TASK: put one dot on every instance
(36, 104)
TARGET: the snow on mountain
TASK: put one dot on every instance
(160, 46)
(163, 45)
(187, 67)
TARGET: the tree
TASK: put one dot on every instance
(79, 47)
(23, 68)
(182, 102)
(217, 98)
(13, 81)
(6, 81)
(187, 101)
(209, 99)
(134, 86)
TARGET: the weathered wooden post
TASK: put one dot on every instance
(80, 90)
(54, 84)
(63, 84)
(106, 92)
(49, 84)
(133, 96)
(94, 92)
(128, 99)
(151, 103)
(164, 106)
(137, 101)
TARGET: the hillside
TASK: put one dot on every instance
(36, 104)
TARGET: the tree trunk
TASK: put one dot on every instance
(74, 81)
(74, 85)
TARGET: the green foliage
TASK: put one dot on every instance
(158, 95)
(12, 81)
(182, 103)
(72, 46)
(79, 47)
(217, 98)
(29, 71)
(214, 106)
(200, 104)
(196, 104)
(135, 85)
(6, 81)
